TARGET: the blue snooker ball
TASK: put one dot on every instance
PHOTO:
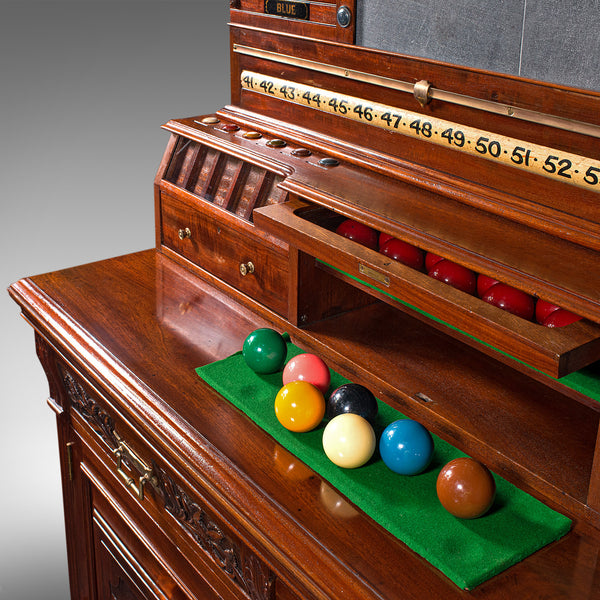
(406, 447)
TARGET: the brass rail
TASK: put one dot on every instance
(432, 93)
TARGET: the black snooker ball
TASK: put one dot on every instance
(352, 398)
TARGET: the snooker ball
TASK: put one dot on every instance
(299, 406)
(543, 310)
(349, 441)
(352, 398)
(466, 488)
(401, 251)
(264, 350)
(560, 318)
(484, 283)
(406, 447)
(510, 299)
(358, 232)
(455, 275)
(431, 260)
(384, 238)
(308, 367)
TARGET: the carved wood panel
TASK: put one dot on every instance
(241, 565)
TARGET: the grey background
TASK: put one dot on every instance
(84, 89)
(552, 40)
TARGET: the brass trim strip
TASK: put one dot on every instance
(434, 93)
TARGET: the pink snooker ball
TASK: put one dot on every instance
(310, 368)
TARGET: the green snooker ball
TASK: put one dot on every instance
(264, 351)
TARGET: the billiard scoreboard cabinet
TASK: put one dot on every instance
(172, 492)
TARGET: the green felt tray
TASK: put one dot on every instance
(468, 552)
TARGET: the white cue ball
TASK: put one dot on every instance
(349, 441)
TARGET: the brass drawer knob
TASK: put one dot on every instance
(185, 233)
(246, 268)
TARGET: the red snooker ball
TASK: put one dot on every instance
(358, 232)
(560, 318)
(510, 299)
(308, 367)
(484, 283)
(543, 310)
(383, 238)
(466, 488)
(403, 252)
(431, 260)
(455, 275)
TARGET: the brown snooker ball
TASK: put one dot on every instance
(466, 488)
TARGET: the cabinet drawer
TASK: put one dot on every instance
(554, 351)
(215, 242)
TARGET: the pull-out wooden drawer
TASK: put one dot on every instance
(211, 239)
(556, 352)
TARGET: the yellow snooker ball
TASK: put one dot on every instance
(299, 406)
(349, 441)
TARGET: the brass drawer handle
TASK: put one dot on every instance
(185, 233)
(246, 268)
(146, 474)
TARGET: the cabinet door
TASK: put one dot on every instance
(129, 563)
(118, 574)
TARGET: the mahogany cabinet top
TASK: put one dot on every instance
(139, 325)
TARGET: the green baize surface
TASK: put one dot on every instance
(468, 552)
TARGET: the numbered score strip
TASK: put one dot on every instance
(548, 162)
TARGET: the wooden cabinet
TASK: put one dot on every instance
(137, 527)
(226, 511)
(170, 491)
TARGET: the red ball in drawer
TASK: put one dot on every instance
(511, 299)
(360, 233)
(543, 310)
(484, 283)
(455, 275)
(384, 238)
(560, 318)
(431, 260)
(403, 252)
